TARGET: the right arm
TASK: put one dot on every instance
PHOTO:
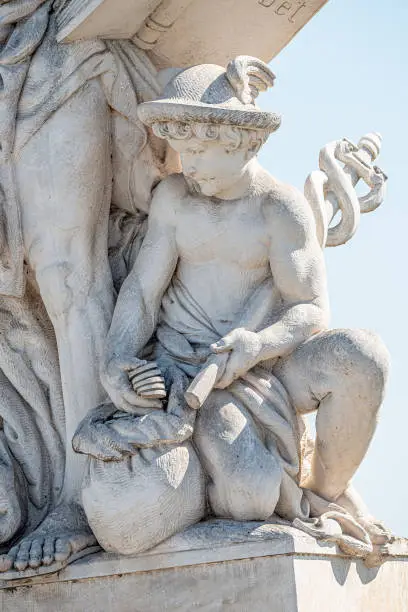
(137, 309)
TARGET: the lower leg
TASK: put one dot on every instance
(65, 228)
(64, 176)
(342, 374)
(80, 330)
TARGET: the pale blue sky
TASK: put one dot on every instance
(345, 74)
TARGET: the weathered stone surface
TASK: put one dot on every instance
(184, 32)
(221, 566)
(121, 184)
(232, 271)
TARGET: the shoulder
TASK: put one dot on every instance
(285, 208)
(167, 197)
(282, 199)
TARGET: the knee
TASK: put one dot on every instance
(54, 282)
(362, 358)
(64, 274)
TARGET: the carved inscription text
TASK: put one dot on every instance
(289, 8)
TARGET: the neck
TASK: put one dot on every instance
(242, 186)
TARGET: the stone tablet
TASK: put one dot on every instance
(186, 32)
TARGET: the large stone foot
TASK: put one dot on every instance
(60, 539)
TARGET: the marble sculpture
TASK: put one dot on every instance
(165, 319)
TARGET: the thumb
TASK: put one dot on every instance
(222, 346)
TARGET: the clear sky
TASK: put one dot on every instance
(345, 74)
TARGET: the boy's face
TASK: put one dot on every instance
(208, 166)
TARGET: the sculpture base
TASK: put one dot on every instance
(220, 565)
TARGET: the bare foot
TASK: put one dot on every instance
(351, 501)
(62, 534)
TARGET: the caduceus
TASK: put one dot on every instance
(332, 188)
(329, 190)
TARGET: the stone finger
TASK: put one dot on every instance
(136, 401)
(36, 552)
(228, 376)
(135, 377)
(151, 365)
(123, 404)
(154, 380)
(62, 549)
(154, 386)
(224, 381)
(153, 394)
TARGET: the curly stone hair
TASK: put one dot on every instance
(231, 136)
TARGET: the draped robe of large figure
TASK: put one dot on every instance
(38, 76)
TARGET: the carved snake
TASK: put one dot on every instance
(332, 188)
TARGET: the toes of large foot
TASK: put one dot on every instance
(36, 553)
(23, 555)
(82, 541)
(48, 551)
(62, 549)
(44, 551)
(29, 553)
(7, 561)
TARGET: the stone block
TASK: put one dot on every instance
(220, 565)
(187, 32)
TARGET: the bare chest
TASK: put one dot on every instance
(229, 232)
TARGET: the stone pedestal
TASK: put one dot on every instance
(220, 565)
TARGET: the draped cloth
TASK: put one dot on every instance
(37, 75)
(32, 440)
(183, 337)
(22, 27)
(180, 347)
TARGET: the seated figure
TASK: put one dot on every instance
(225, 313)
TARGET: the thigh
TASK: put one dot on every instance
(343, 361)
(226, 434)
(64, 174)
(245, 476)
